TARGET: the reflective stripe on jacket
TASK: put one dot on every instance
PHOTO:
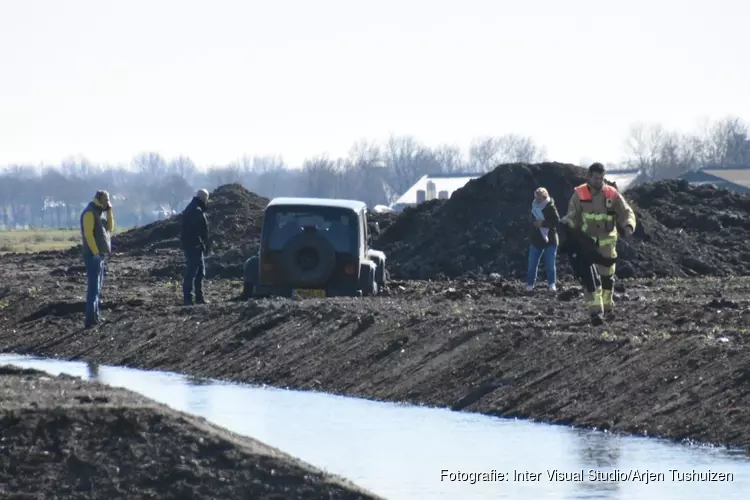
(598, 213)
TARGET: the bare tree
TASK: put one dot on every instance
(150, 163)
(78, 167)
(181, 166)
(365, 152)
(407, 160)
(726, 144)
(366, 173)
(373, 172)
(267, 164)
(174, 189)
(486, 153)
(521, 149)
(218, 176)
(322, 177)
(451, 159)
(660, 154)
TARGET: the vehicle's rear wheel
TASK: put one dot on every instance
(308, 260)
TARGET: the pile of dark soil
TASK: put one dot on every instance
(235, 219)
(66, 438)
(483, 228)
(384, 220)
(716, 219)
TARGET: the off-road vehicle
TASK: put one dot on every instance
(315, 247)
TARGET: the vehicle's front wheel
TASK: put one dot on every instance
(250, 277)
(381, 277)
(368, 283)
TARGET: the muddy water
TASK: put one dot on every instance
(406, 452)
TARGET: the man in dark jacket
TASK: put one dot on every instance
(194, 239)
(584, 256)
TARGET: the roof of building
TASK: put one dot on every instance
(739, 176)
(443, 182)
(355, 205)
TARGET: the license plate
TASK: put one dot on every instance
(306, 293)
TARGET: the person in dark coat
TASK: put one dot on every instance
(194, 240)
(544, 240)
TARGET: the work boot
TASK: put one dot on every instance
(596, 319)
(199, 299)
(594, 306)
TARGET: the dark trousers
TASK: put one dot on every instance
(195, 271)
(586, 272)
(95, 270)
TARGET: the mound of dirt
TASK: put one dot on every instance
(384, 221)
(483, 228)
(715, 218)
(67, 438)
(235, 218)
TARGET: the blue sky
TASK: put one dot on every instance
(218, 79)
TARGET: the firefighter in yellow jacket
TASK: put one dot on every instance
(598, 209)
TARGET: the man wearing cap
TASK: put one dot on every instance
(194, 239)
(96, 231)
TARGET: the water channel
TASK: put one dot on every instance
(407, 452)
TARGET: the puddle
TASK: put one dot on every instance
(400, 452)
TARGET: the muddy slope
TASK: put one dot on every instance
(484, 229)
(67, 438)
(675, 363)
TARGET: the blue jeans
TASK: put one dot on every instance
(195, 271)
(95, 270)
(550, 265)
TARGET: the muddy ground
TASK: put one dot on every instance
(674, 363)
(66, 438)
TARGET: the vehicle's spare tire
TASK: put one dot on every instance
(308, 259)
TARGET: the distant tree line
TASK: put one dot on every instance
(153, 187)
(665, 154)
